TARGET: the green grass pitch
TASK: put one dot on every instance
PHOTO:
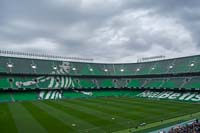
(94, 115)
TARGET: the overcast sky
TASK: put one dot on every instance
(105, 30)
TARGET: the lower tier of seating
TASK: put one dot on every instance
(57, 82)
(187, 96)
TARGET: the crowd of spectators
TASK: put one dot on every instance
(193, 127)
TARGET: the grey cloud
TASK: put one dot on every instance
(111, 31)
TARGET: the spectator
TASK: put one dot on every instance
(188, 128)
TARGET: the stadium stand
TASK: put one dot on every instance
(5, 97)
(18, 75)
(106, 83)
(36, 66)
(24, 96)
(193, 127)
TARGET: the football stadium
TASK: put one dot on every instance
(99, 66)
(50, 94)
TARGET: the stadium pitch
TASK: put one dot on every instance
(93, 115)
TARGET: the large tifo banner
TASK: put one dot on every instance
(187, 96)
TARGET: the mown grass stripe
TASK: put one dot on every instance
(137, 103)
(161, 108)
(94, 115)
(158, 125)
(86, 114)
(130, 113)
(126, 104)
(135, 112)
(155, 102)
(50, 123)
(7, 124)
(24, 121)
(101, 109)
(124, 124)
(105, 109)
(63, 116)
(151, 117)
(119, 118)
(154, 109)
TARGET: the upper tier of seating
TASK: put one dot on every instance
(36, 66)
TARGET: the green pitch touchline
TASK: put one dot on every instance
(156, 124)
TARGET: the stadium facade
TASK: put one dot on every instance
(37, 79)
